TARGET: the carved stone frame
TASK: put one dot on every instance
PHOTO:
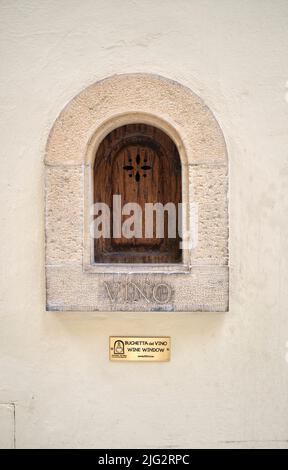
(74, 281)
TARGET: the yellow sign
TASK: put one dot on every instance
(139, 348)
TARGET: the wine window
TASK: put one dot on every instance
(138, 163)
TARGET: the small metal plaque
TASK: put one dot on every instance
(140, 348)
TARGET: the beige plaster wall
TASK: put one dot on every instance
(227, 382)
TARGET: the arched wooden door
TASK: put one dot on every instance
(141, 164)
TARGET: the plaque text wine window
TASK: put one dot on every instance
(124, 152)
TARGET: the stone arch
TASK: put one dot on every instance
(129, 94)
(70, 150)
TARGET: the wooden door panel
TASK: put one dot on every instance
(142, 165)
(135, 177)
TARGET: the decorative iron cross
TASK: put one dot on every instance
(138, 167)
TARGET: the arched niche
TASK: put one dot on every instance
(198, 278)
(138, 164)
